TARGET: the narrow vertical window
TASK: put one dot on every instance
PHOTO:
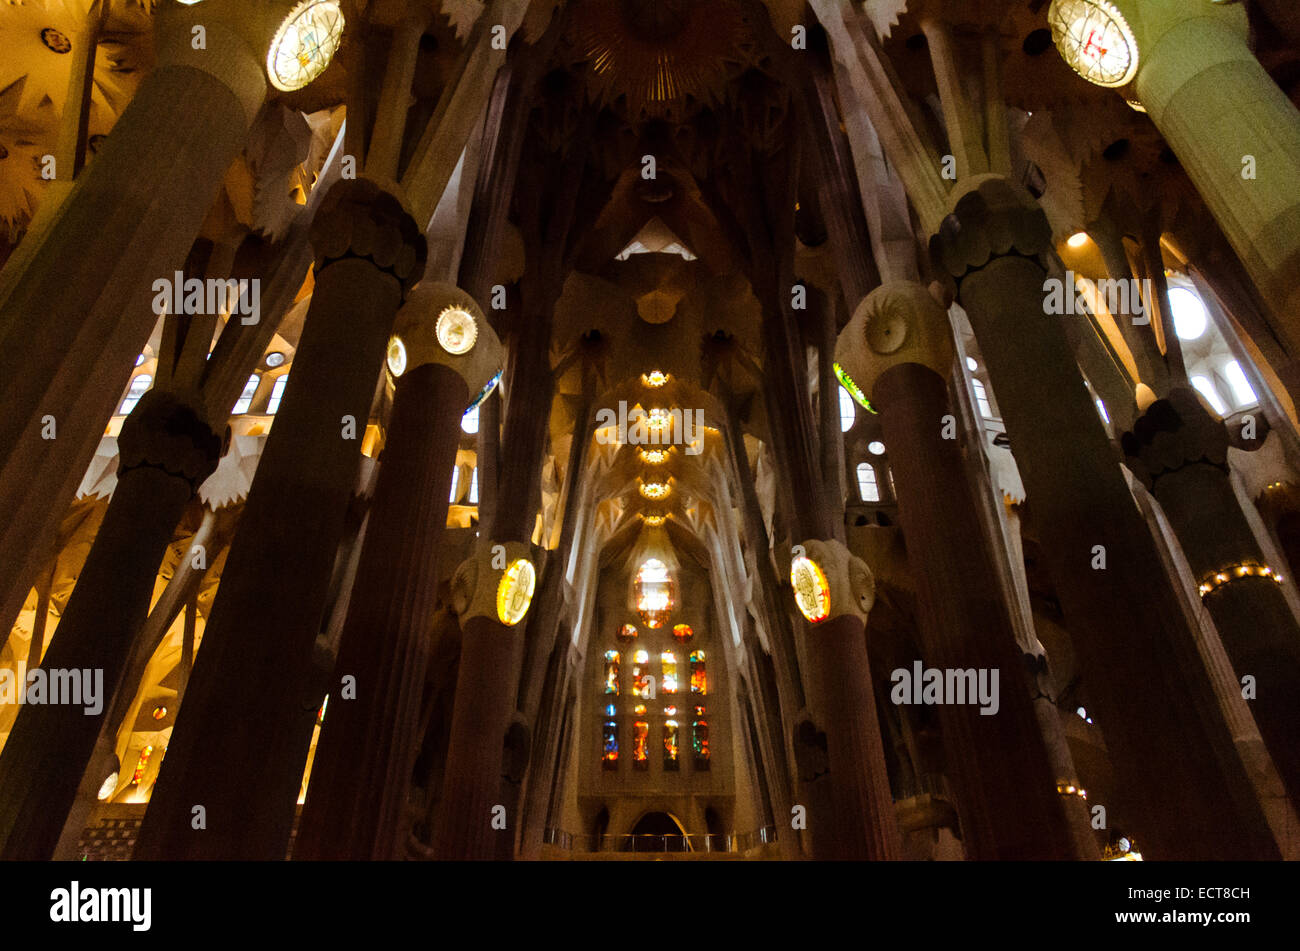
(246, 397)
(867, 487)
(982, 399)
(277, 392)
(668, 683)
(700, 739)
(455, 485)
(611, 672)
(640, 744)
(699, 676)
(640, 674)
(670, 745)
(609, 757)
(473, 487)
(848, 412)
(140, 384)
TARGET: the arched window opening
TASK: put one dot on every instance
(246, 397)
(139, 386)
(277, 392)
(609, 758)
(982, 399)
(640, 744)
(611, 672)
(700, 739)
(668, 683)
(640, 674)
(670, 745)
(654, 592)
(1206, 389)
(699, 676)
(848, 411)
(867, 487)
(455, 485)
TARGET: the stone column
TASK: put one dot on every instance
(471, 817)
(1180, 452)
(249, 707)
(842, 759)
(1233, 129)
(166, 449)
(75, 298)
(356, 799)
(1189, 794)
(898, 348)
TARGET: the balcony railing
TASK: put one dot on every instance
(728, 842)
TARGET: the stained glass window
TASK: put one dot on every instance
(670, 744)
(654, 592)
(668, 684)
(610, 709)
(699, 676)
(140, 765)
(700, 739)
(627, 632)
(640, 744)
(683, 632)
(610, 755)
(277, 393)
(640, 674)
(611, 672)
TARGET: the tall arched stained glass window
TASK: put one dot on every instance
(609, 758)
(668, 683)
(699, 676)
(641, 745)
(700, 739)
(641, 674)
(868, 489)
(670, 745)
(611, 672)
(654, 592)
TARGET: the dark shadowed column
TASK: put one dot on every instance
(166, 450)
(1185, 787)
(1180, 452)
(898, 348)
(249, 707)
(361, 772)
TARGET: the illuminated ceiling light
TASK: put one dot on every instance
(876, 447)
(654, 520)
(1135, 105)
(274, 359)
(654, 490)
(107, 786)
(1095, 41)
(1078, 239)
(456, 330)
(855, 391)
(396, 356)
(812, 593)
(654, 378)
(304, 44)
(654, 456)
(515, 591)
(658, 418)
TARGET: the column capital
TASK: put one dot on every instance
(1173, 433)
(442, 324)
(360, 218)
(493, 584)
(991, 217)
(899, 322)
(166, 432)
(848, 586)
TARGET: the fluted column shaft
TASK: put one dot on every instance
(1189, 794)
(166, 450)
(74, 299)
(249, 706)
(1005, 789)
(1180, 451)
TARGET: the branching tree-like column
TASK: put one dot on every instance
(74, 300)
(898, 348)
(357, 795)
(1180, 452)
(1185, 788)
(249, 707)
(166, 450)
(842, 758)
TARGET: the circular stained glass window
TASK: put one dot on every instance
(304, 44)
(1095, 40)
